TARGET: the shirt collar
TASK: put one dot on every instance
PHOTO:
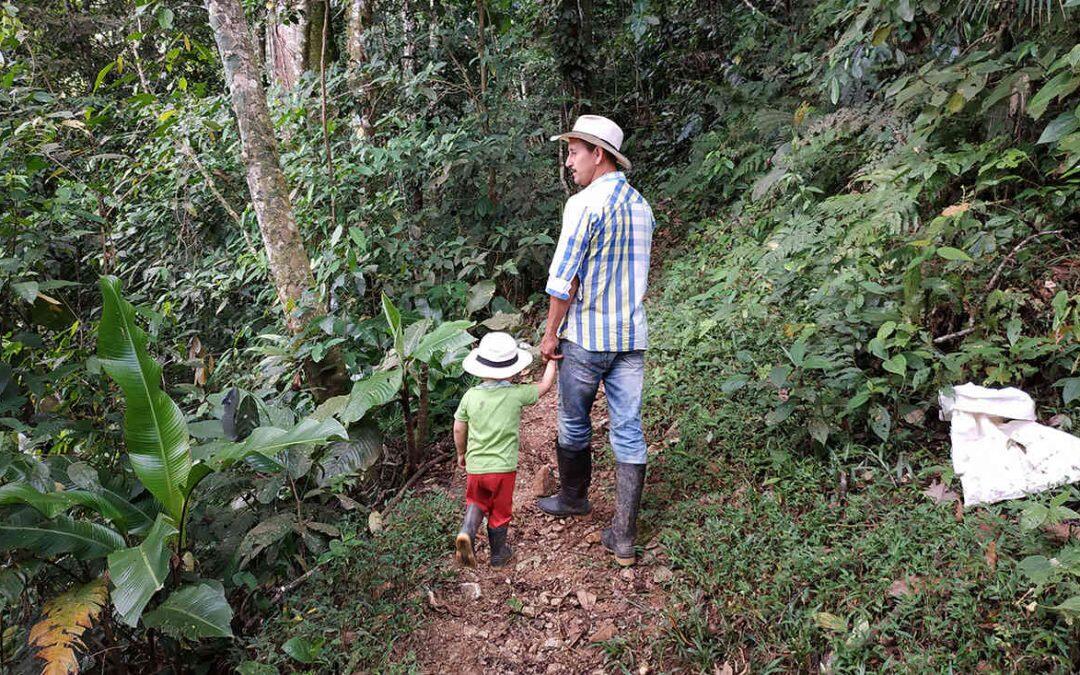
(494, 385)
(614, 175)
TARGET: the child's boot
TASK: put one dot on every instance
(466, 538)
(500, 550)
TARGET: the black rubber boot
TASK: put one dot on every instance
(619, 538)
(466, 538)
(500, 550)
(575, 474)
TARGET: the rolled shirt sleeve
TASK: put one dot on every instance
(573, 243)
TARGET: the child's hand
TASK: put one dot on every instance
(461, 461)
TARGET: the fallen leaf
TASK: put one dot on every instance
(903, 586)
(1060, 421)
(915, 417)
(1060, 533)
(830, 621)
(940, 493)
(662, 575)
(958, 511)
(593, 537)
(585, 599)
(955, 209)
(899, 588)
(347, 503)
(724, 669)
(433, 602)
(603, 633)
(471, 590)
(991, 555)
(374, 522)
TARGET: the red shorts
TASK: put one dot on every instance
(493, 493)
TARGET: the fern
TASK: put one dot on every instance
(65, 618)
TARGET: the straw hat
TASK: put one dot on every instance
(498, 357)
(598, 131)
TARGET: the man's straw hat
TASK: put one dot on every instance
(598, 131)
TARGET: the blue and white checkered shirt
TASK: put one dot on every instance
(605, 242)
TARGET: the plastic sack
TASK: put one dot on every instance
(997, 459)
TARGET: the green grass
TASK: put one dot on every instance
(776, 570)
(366, 597)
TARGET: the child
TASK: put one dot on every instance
(486, 436)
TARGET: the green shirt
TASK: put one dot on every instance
(493, 413)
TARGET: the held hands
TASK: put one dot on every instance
(549, 348)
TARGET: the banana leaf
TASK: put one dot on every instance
(155, 430)
(446, 337)
(374, 391)
(140, 571)
(52, 537)
(194, 611)
(269, 441)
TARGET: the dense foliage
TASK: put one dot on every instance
(860, 203)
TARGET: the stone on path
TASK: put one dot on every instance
(543, 482)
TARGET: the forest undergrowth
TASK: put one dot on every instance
(861, 203)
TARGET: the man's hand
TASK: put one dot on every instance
(549, 348)
(557, 308)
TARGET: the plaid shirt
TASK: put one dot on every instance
(605, 241)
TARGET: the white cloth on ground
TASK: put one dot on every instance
(998, 459)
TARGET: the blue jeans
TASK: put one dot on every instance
(580, 374)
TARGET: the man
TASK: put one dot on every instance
(596, 326)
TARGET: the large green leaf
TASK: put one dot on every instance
(266, 533)
(269, 441)
(1059, 86)
(92, 492)
(413, 334)
(357, 454)
(140, 571)
(51, 504)
(479, 296)
(377, 390)
(194, 611)
(446, 337)
(154, 428)
(49, 538)
(48, 503)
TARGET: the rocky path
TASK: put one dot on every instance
(562, 597)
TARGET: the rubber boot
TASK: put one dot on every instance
(575, 474)
(466, 538)
(500, 550)
(619, 538)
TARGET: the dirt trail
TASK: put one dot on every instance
(560, 596)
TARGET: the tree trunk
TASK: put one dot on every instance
(289, 263)
(574, 49)
(286, 41)
(408, 38)
(358, 18)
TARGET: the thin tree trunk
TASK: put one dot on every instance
(485, 119)
(288, 261)
(422, 423)
(287, 43)
(325, 130)
(413, 185)
(410, 439)
(358, 18)
(408, 38)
